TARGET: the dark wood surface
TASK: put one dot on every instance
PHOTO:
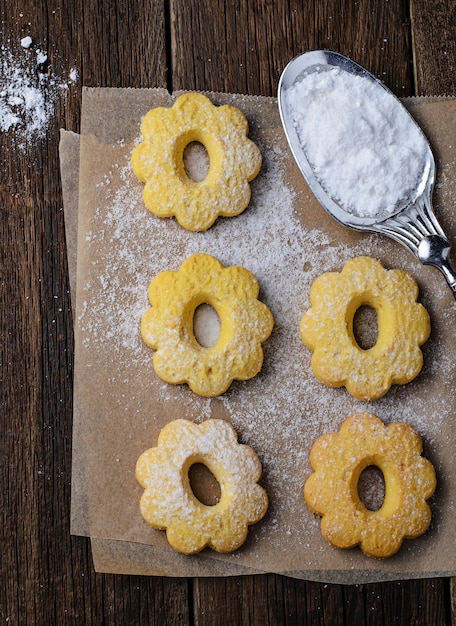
(47, 575)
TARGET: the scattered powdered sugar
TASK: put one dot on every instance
(26, 42)
(283, 409)
(365, 149)
(29, 88)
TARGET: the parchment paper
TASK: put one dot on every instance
(286, 239)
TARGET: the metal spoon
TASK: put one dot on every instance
(411, 223)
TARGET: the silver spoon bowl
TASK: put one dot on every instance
(412, 223)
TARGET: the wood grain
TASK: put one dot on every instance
(434, 47)
(271, 599)
(47, 575)
(243, 47)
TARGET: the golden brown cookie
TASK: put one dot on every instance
(158, 161)
(327, 328)
(338, 460)
(167, 327)
(169, 503)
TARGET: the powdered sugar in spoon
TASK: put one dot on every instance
(362, 154)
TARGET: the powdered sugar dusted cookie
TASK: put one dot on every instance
(158, 161)
(168, 326)
(403, 326)
(168, 501)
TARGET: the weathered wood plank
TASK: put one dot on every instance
(434, 46)
(47, 576)
(243, 47)
(272, 600)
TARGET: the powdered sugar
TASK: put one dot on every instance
(29, 89)
(26, 42)
(366, 151)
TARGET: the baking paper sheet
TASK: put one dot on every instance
(286, 239)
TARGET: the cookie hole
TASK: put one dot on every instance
(204, 485)
(206, 325)
(196, 161)
(371, 488)
(365, 327)
(307, 267)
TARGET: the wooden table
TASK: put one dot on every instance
(47, 575)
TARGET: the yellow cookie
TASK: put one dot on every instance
(168, 501)
(338, 460)
(158, 161)
(327, 328)
(167, 327)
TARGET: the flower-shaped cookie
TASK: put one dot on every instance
(168, 501)
(167, 327)
(158, 161)
(338, 460)
(327, 328)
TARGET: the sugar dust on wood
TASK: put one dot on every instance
(29, 89)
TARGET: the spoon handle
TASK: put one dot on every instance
(434, 250)
(418, 229)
